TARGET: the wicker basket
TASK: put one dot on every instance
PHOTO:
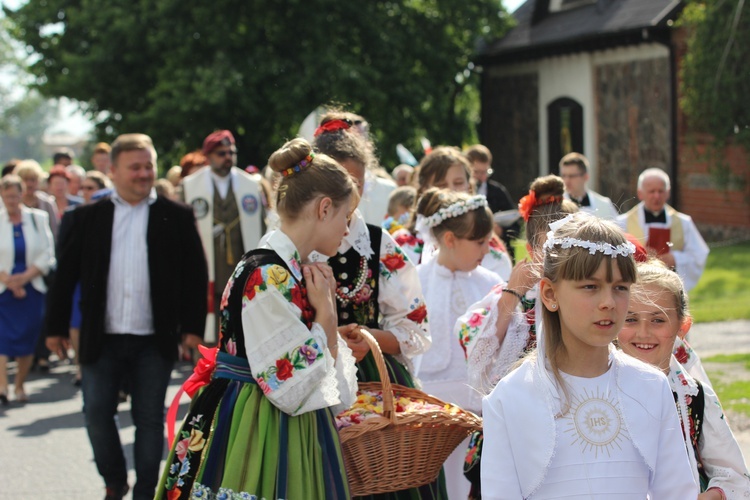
(400, 451)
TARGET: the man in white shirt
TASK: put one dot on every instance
(228, 205)
(139, 260)
(574, 170)
(670, 234)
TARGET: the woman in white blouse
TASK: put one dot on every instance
(26, 255)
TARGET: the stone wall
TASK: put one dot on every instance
(633, 110)
(510, 128)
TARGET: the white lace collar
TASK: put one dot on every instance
(358, 237)
(284, 247)
(444, 272)
(680, 380)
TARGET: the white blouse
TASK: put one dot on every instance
(292, 364)
(448, 294)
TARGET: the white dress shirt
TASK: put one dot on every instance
(129, 285)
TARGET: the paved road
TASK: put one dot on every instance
(44, 451)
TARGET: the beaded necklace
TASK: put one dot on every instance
(343, 294)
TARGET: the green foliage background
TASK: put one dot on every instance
(179, 69)
(715, 75)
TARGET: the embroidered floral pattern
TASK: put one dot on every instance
(418, 313)
(681, 354)
(201, 492)
(297, 359)
(391, 262)
(695, 421)
(191, 441)
(469, 330)
(360, 306)
(406, 239)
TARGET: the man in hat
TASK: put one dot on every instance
(228, 206)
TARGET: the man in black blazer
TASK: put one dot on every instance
(497, 195)
(144, 281)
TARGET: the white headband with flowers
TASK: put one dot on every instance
(454, 210)
(624, 249)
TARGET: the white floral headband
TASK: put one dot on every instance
(454, 210)
(624, 249)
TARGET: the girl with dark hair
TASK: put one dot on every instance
(461, 226)
(377, 287)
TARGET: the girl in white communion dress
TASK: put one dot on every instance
(460, 226)
(579, 419)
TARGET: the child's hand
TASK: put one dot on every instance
(328, 273)
(320, 295)
(355, 340)
(524, 276)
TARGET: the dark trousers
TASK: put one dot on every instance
(137, 359)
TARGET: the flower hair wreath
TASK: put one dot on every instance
(624, 249)
(454, 210)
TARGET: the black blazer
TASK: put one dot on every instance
(498, 197)
(177, 270)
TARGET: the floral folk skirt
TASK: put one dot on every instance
(235, 444)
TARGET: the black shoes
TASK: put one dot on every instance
(116, 493)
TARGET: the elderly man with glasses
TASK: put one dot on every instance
(227, 202)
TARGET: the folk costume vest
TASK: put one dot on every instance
(200, 194)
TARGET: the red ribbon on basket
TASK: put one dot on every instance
(201, 376)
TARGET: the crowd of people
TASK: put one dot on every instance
(573, 348)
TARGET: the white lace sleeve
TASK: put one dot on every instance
(488, 360)
(346, 375)
(292, 365)
(401, 301)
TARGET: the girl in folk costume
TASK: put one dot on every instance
(579, 418)
(499, 329)
(461, 226)
(447, 168)
(657, 315)
(263, 426)
(377, 287)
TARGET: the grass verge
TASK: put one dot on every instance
(730, 375)
(723, 293)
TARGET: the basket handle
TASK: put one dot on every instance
(385, 379)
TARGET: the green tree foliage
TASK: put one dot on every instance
(715, 74)
(178, 69)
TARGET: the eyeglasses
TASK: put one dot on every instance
(571, 176)
(225, 153)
